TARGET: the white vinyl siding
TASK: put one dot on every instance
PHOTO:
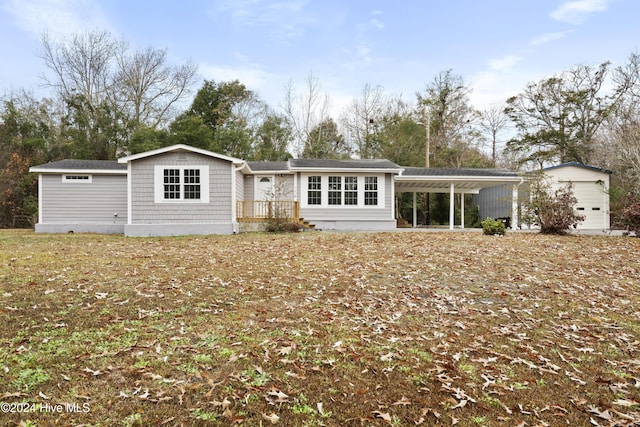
(103, 200)
(216, 185)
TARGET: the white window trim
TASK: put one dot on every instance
(324, 195)
(158, 184)
(66, 178)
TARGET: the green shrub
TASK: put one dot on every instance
(282, 225)
(492, 227)
(553, 210)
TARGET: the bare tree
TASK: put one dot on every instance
(305, 111)
(492, 122)
(148, 87)
(363, 118)
(82, 65)
(109, 92)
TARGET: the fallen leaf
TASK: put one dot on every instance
(625, 402)
(460, 404)
(403, 401)
(285, 350)
(384, 416)
(273, 418)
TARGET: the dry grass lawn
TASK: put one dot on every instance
(318, 329)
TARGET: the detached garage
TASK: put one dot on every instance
(590, 187)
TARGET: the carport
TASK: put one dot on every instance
(456, 181)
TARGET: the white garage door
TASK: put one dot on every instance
(590, 204)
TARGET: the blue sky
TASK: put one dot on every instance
(497, 46)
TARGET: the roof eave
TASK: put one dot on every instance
(316, 169)
(579, 165)
(269, 172)
(78, 171)
(177, 147)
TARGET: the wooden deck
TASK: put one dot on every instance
(264, 210)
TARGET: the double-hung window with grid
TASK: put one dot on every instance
(335, 190)
(181, 184)
(351, 190)
(314, 190)
(371, 190)
(348, 191)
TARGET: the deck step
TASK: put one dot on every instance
(306, 224)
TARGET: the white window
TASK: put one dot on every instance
(344, 191)
(86, 179)
(314, 192)
(351, 190)
(371, 190)
(335, 190)
(185, 184)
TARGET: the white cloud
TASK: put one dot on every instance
(548, 37)
(252, 76)
(498, 82)
(364, 52)
(286, 20)
(577, 11)
(377, 23)
(56, 17)
(505, 63)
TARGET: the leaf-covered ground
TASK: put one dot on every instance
(320, 329)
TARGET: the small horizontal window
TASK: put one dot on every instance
(580, 209)
(76, 178)
(595, 209)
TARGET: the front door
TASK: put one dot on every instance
(264, 196)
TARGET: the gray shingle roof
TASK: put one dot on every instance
(73, 164)
(344, 164)
(457, 172)
(580, 165)
(268, 166)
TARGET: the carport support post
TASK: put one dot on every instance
(461, 210)
(452, 210)
(415, 211)
(514, 208)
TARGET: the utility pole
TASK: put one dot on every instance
(428, 142)
(427, 199)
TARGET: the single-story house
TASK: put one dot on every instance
(181, 190)
(590, 188)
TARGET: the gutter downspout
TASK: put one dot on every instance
(129, 195)
(40, 204)
(235, 227)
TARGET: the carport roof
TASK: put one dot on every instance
(464, 180)
(457, 172)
